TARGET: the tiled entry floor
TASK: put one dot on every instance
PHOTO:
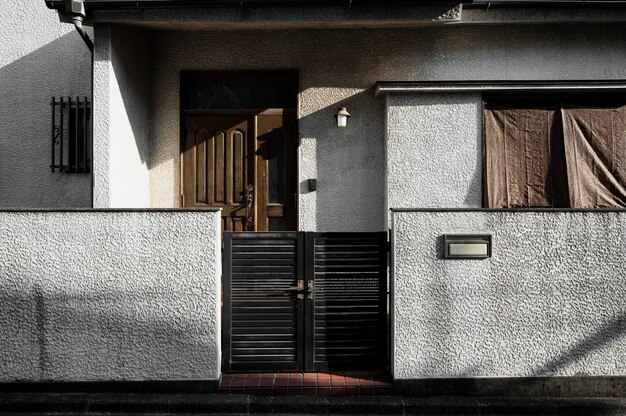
(353, 383)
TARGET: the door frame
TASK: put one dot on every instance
(291, 75)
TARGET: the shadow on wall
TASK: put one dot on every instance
(350, 193)
(475, 189)
(579, 385)
(609, 332)
(104, 335)
(60, 68)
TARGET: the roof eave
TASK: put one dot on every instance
(152, 4)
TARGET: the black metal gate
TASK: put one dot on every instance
(304, 301)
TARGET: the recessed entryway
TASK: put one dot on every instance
(239, 147)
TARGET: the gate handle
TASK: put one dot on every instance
(301, 291)
(298, 289)
(249, 202)
(310, 294)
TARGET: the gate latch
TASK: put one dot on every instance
(298, 289)
(310, 293)
(301, 291)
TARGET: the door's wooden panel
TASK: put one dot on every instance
(276, 169)
(239, 163)
(220, 166)
(210, 169)
(202, 142)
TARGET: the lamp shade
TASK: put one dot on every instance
(342, 117)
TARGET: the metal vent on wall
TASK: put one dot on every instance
(71, 150)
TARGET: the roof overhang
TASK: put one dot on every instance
(300, 14)
(91, 5)
(151, 4)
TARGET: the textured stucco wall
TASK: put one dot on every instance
(434, 150)
(122, 117)
(550, 300)
(39, 58)
(93, 296)
(340, 66)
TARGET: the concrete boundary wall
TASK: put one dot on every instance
(109, 295)
(550, 301)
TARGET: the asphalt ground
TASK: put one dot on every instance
(54, 404)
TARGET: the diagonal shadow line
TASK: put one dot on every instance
(602, 336)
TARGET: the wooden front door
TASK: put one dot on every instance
(243, 162)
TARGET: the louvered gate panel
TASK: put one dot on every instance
(349, 308)
(263, 316)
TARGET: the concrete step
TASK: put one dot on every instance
(53, 404)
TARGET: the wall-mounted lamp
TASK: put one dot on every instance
(342, 117)
(466, 246)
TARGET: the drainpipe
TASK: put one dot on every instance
(78, 24)
(77, 9)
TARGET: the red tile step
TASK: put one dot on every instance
(345, 383)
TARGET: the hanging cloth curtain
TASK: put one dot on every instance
(523, 151)
(595, 148)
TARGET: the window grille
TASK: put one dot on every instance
(71, 135)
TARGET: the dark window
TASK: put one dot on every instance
(71, 133)
(215, 91)
(555, 153)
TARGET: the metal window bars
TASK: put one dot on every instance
(71, 144)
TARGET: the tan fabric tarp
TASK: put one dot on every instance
(555, 157)
(595, 143)
(519, 151)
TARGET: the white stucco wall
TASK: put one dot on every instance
(39, 58)
(549, 302)
(434, 150)
(98, 296)
(122, 117)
